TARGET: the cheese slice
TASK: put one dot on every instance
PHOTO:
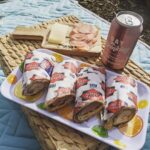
(58, 33)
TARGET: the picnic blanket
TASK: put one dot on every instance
(15, 132)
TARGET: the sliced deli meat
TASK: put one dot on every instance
(90, 95)
(84, 34)
(78, 37)
(36, 74)
(80, 44)
(121, 101)
(85, 28)
(61, 90)
(90, 37)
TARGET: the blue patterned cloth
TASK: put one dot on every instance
(15, 133)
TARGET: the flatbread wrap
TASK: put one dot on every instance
(90, 96)
(61, 89)
(36, 73)
(121, 101)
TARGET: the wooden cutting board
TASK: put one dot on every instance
(28, 33)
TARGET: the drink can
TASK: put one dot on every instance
(124, 32)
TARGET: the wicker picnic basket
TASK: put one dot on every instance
(51, 134)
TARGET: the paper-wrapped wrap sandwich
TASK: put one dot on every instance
(121, 101)
(62, 85)
(36, 74)
(90, 96)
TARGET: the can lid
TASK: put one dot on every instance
(129, 18)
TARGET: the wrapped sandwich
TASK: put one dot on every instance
(36, 74)
(61, 89)
(90, 96)
(121, 101)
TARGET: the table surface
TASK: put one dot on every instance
(13, 125)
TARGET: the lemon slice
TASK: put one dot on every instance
(18, 93)
(120, 144)
(133, 127)
(66, 112)
(142, 104)
(58, 57)
(11, 79)
(82, 65)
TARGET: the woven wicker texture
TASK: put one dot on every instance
(51, 134)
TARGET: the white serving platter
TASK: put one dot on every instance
(115, 137)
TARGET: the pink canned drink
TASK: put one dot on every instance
(124, 32)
